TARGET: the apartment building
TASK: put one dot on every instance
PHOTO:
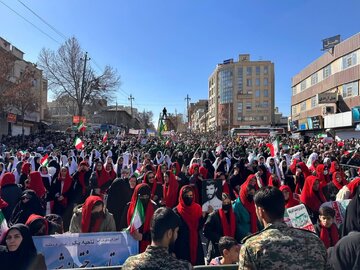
(325, 94)
(241, 93)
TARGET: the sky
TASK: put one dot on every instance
(165, 50)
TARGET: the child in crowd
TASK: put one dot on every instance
(229, 248)
(326, 229)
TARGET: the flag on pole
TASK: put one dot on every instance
(78, 144)
(161, 127)
(137, 218)
(81, 127)
(45, 160)
(104, 139)
(3, 225)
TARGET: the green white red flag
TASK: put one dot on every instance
(3, 225)
(81, 127)
(137, 218)
(78, 144)
(44, 160)
(104, 139)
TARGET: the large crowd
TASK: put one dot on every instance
(47, 186)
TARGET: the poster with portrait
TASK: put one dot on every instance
(211, 194)
(83, 250)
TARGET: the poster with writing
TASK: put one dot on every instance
(211, 194)
(80, 250)
(298, 217)
(340, 210)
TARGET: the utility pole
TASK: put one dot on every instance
(131, 98)
(187, 107)
(83, 78)
(116, 116)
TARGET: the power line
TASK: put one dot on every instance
(46, 34)
(43, 20)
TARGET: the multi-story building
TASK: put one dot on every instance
(12, 121)
(196, 111)
(325, 95)
(241, 94)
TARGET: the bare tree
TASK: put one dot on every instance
(21, 96)
(65, 72)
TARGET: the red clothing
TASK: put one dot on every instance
(228, 227)
(309, 197)
(291, 202)
(67, 185)
(324, 179)
(159, 175)
(86, 215)
(191, 215)
(170, 191)
(7, 179)
(352, 186)
(336, 183)
(250, 206)
(331, 239)
(34, 217)
(36, 184)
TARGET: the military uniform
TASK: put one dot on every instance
(155, 258)
(281, 247)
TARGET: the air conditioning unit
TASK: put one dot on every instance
(328, 109)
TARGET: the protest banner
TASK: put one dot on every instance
(211, 194)
(298, 217)
(86, 249)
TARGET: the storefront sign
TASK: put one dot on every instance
(327, 98)
(11, 118)
(356, 114)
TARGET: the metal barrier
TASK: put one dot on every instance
(200, 267)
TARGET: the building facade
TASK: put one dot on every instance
(241, 94)
(326, 93)
(11, 120)
(196, 111)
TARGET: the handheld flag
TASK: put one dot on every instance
(137, 218)
(3, 225)
(45, 160)
(104, 139)
(81, 127)
(78, 144)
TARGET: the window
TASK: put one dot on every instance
(266, 93)
(327, 71)
(265, 104)
(314, 78)
(248, 82)
(314, 102)
(294, 91)
(350, 90)
(249, 92)
(303, 85)
(266, 70)
(293, 110)
(257, 93)
(248, 105)
(257, 82)
(266, 81)
(349, 60)
(240, 107)
(303, 106)
(248, 71)
(257, 70)
(257, 104)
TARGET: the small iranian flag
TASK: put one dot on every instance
(137, 173)
(45, 160)
(104, 139)
(81, 127)
(3, 225)
(273, 147)
(137, 218)
(78, 144)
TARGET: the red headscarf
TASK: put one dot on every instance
(333, 169)
(177, 166)
(159, 175)
(153, 185)
(228, 227)
(67, 185)
(103, 177)
(352, 186)
(320, 174)
(305, 169)
(308, 196)
(191, 215)
(3, 204)
(193, 167)
(34, 217)
(25, 168)
(325, 237)
(170, 192)
(82, 176)
(250, 206)
(86, 214)
(313, 167)
(36, 184)
(274, 183)
(149, 211)
(336, 183)
(7, 179)
(291, 202)
(204, 172)
(292, 166)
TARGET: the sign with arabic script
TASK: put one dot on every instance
(298, 217)
(80, 250)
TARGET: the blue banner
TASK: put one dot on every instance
(86, 249)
